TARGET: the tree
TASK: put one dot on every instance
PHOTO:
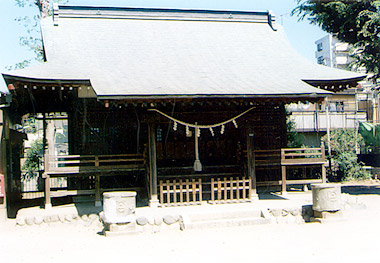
(33, 39)
(344, 161)
(356, 22)
(293, 138)
(33, 157)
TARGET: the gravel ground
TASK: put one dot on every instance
(352, 240)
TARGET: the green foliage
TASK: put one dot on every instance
(356, 22)
(293, 137)
(32, 40)
(343, 140)
(33, 157)
(344, 160)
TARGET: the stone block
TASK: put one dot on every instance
(53, 218)
(20, 221)
(157, 220)
(294, 212)
(276, 212)
(142, 221)
(168, 219)
(29, 220)
(38, 220)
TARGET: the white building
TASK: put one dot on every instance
(345, 107)
(332, 53)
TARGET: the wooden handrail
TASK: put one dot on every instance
(71, 163)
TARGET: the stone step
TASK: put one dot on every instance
(221, 215)
(226, 223)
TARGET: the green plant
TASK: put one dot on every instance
(33, 157)
(293, 138)
(344, 161)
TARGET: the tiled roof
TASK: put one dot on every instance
(156, 52)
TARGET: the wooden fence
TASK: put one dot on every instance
(180, 192)
(176, 192)
(230, 190)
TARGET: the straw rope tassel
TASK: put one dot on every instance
(197, 162)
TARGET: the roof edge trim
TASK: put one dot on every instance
(67, 11)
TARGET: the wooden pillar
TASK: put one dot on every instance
(97, 184)
(251, 166)
(283, 174)
(153, 201)
(46, 165)
(4, 139)
(323, 165)
(283, 178)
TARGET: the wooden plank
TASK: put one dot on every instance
(187, 191)
(302, 161)
(219, 189)
(231, 188)
(61, 193)
(299, 149)
(238, 189)
(194, 190)
(305, 181)
(212, 190)
(161, 192)
(200, 190)
(168, 198)
(303, 154)
(181, 191)
(174, 191)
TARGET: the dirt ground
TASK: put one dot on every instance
(355, 239)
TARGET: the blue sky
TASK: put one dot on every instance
(302, 35)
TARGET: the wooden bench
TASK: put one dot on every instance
(88, 165)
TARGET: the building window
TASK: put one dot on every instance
(321, 60)
(319, 47)
(339, 106)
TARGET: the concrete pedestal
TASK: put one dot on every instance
(119, 213)
(327, 203)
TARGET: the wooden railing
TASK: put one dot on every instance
(75, 164)
(90, 166)
(291, 157)
(180, 192)
(230, 190)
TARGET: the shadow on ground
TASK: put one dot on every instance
(361, 189)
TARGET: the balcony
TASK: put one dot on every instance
(314, 121)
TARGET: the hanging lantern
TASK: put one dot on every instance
(175, 126)
(235, 124)
(222, 129)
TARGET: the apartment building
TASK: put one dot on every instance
(345, 108)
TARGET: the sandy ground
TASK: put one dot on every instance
(353, 240)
